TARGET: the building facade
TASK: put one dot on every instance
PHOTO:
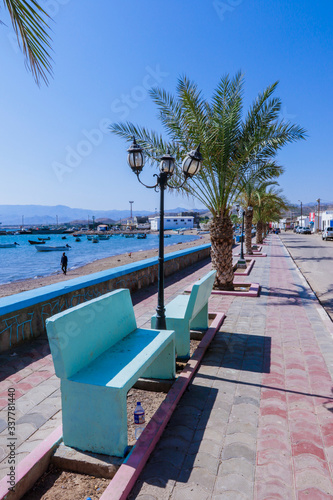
(171, 222)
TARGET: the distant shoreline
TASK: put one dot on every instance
(94, 267)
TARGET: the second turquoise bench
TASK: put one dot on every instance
(187, 312)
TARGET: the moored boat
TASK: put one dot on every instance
(44, 239)
(47, 248)
(95, 239)
(32, 242)
(141, 236)
(9, 245)
(77, 239)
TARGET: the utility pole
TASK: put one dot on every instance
(301, 213)
(318, 227)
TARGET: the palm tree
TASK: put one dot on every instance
(230, 144)
(30, 26)
(270, 204)
(250, 198)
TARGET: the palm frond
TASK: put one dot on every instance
(31, 29)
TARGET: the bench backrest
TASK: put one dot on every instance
(80, 334)
(200, 293)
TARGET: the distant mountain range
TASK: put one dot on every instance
(32, 215)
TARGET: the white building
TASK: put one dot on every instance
(171, 222)
(325, 220)
(303, 221)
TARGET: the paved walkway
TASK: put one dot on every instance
(256, 423)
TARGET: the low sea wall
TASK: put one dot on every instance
(23, 315)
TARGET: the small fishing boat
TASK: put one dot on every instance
(104, 236)
(77, 239)
(95, 239)
(129, 235)
(33, 242)
(141, 236)
(167, 236)
(9, 245)
(44, 239)
(64, 237)
(47, 248)
(89, 237)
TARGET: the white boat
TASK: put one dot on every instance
(46, 248)
(9, 245)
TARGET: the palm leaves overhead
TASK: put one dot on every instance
(31, 29)
(230, 145)
(235, 148)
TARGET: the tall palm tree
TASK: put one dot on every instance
(29, 22)
(230, 144)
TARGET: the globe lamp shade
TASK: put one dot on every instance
(135, 157)
(192, 163)
(167, 164)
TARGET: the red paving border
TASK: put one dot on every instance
(295, 440)
(29, 470)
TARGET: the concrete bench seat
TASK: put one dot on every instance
(187, 312)
(99, 354)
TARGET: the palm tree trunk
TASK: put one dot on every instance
(259, 238)
(248, 230)
(221, 234)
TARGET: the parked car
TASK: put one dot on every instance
(327, 234)
(306, 230)
(295, 229)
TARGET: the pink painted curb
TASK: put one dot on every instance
(29, 470)
(248, 269)
(122, 483)
(252, 292)
(255, 254)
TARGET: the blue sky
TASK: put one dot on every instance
(55, 148)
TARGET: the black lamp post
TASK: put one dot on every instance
(301, 213)
(191, 166)
(242, 237)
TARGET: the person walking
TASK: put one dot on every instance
(64, 262)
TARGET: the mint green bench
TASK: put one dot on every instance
(99, 354)
(187, 312)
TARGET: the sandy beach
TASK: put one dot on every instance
(94, 267)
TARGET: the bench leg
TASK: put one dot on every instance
(182, 331)
(164, 366)
(94, 418)
(200, 322)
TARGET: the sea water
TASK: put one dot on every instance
(24, 261)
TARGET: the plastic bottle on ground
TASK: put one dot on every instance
(139, 420)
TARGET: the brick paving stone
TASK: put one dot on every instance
(257, 420)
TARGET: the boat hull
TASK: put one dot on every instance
(46, 248)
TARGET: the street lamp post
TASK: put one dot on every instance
(191, 166)
(318, 226)
(301, 213)
(241, 264)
